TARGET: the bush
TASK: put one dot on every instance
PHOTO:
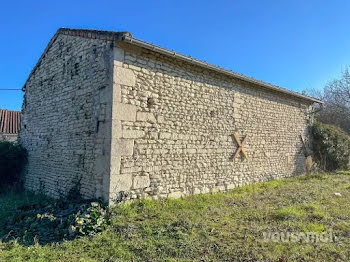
(331, 147)
(13, 157)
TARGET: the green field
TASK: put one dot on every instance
(228, 226)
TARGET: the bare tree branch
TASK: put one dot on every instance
(336, 97)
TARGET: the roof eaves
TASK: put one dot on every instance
(191, 60)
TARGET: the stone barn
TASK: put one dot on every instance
(119, 118)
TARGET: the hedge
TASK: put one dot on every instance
(13, 158)
(331, 147)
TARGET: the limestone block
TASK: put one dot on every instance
(105, 95)
(152, 168)
(117, 95)
(196, 191)
(121, 183)
(230, 186)
(118, 55)
(153, 135)
(78, 152)
(164, 135)
(100, 165)
(184, 136)
(176, 194)
(205, 190)
(124, 76)
(236, 105)
(236, 115)
(133, 169)
(124, 112)
(135, 68)
(133, 133)
(239, 100)
(160, 119)
(125, 147)
(145, 116)
(141, 181)
(190, 151)
(115, 165)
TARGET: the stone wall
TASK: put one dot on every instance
(66, 118)
(173, 124)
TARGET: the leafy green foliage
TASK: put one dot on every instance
(89, 220)
(53, 221)
(12, 160)
(331, 146)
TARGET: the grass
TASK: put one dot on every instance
(344, 172)
(214, 227)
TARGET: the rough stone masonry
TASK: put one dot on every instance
(118, 118)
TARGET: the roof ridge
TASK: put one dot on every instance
(127, 37)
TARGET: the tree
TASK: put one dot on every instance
(336, 97)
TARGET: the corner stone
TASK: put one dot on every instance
(126, 147)
(141, 182)
(124, 112)
(145, 116)
(122, 183)
(133, 133)
(124, 76)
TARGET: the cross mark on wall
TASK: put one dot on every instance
(240, 146)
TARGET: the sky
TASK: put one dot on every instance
(299, 44)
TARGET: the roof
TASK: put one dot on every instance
(127, 37)
(9, 121)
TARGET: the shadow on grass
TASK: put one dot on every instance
(37, 219)
(314, 175)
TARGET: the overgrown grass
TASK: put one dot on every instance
(344, 172)
(11, 199)
(215, 227)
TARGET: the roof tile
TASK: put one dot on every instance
(9, 121)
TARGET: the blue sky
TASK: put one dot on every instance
(296, 44)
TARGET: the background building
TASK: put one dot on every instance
(9, 125)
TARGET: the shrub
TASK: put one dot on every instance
(331, 146)
(13, 157)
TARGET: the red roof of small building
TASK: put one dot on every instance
(9, 121)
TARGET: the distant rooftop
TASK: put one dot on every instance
(9, 121)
